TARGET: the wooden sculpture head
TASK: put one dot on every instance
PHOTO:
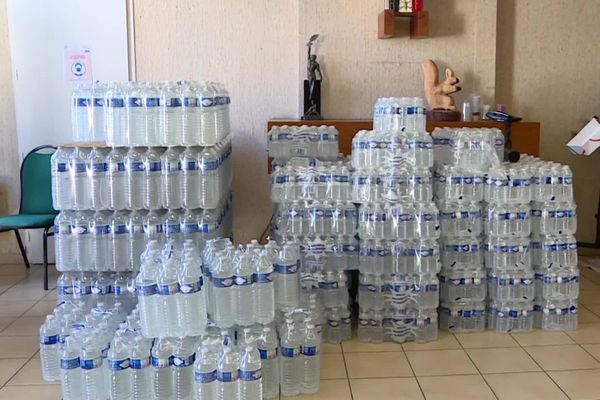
(438, 94)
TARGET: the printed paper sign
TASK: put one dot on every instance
(78, 64)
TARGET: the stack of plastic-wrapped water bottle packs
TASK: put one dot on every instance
(441, 231)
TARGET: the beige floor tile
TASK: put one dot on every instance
(485, 339)
(587, 284)
(10, 280)
(445, 341)
(579, 385)
(9, 367)
(332, 366)
(386, 389)
(564, 357)
(589, 297)
(512, 359)
(586, 333)
(51, 295)
(524, 386)
(14, 308)
(331, 348)
(464, 387)
(355, 346)
(587, 315)
(593, 349)
(41, 392)
(18, 346)
(24, 326)
(440, 362)
(330, 390)
(377, 365)
(542, 338)
(23, 293)
(43, 308)
(30, 374)
(10, 269)
(6, 321)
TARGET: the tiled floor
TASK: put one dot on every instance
(537, 365)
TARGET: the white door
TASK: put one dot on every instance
(39, 31)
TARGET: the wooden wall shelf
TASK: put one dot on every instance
(419, 24)
(525, 135)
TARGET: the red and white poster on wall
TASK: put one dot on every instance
(78, 64)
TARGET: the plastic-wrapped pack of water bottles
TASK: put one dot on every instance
(398, 225)
(181, 113)
(320, 142)
(135, 178)
(114, 241)
(517, 219)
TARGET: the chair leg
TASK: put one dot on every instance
(22, 248)
(46, 258)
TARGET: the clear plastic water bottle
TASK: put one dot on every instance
(141, 370)
(134, 111)
(96, 170)
(171, 179)
(136, 178)
(268, 349)
(62, 195)
(184, 357)
(63, 242)
(206, 108)
(152, 106)
(116, 116)
(72, 388)
(228, 374)
(162, 366)
(120, 245)
(148, 298)
(287, 277)
(81, 113)
(152, 184)
(191, 116)
(82, 239)
(94, 381)
(209, 189)
(136, 239)
(206, 372)
(169, 303)
(311, 361)
(222, 279)
(264, 288)
(80, 184)
(101, 244)
(116, 179)
(98, 110)
(191, 178)
(50, 349)
(290, 362)
(193, 296)
(244, 289)
(250, 374)
(119, 372)
(172, 114)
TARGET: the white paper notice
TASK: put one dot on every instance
(78, 64)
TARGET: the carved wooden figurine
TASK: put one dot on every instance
(441, 104)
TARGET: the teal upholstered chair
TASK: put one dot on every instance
(35, 210)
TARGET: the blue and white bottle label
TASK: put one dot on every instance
(162, 362)
(147, 290)
(118, 365)
(192, 287)
(169, 289)
(182, 362)
(287, 269)
(49, 340)
(266, 354)
(223, 282)
(263, 277)
(290, 352)
(249, 376)
(223, 376)
(140, 363)
(243, 280)
(91, 364)
(310, 351)
(71, 363)
(205, 377)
